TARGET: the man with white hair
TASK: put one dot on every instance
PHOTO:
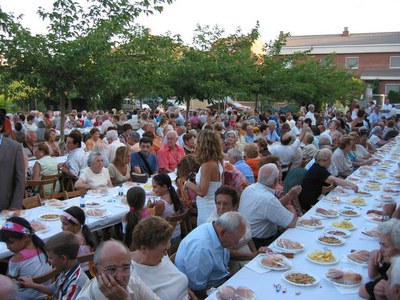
(235, 157)
(170, 154)
(272, 135)
(310, 114)
(393, 286)
(203, 255)
(8, 289)
(113, 144)
(263, 210)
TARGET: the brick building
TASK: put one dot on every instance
(373, 57)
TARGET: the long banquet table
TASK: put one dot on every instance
(110, 202)
(262, 280)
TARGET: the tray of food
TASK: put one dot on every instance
(337, 232)
(332, 199)
(372, 187)
(13, 213)
(360, 257)
(349, 213)
(49, 217)
(311, 223)
(327, 213)
(357, 201)
(363, 194)
(322, 257)
(300, 278)
(229, 292)
(372, 217)
(344, 225)
(289, 245)
(370, 233)
(330, 240)
(94, 204)
(98, 192)
(343, 277)
(39, 227)
(96, 213)
(55, 203)
(274, 261)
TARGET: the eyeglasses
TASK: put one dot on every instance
(113, 270)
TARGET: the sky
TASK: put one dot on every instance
(298, 17)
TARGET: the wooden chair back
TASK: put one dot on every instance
(58, 194)
(51, 275)
(73, 194)
(88, 258)
(39, 184)
(184, 220)
(31, 202)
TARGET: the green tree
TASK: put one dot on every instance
(75, 53)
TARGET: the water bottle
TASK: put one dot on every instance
(120, 191)
(82, 202)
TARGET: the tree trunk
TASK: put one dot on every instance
(61, 143)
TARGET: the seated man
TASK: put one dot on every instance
(317, 177)
(8, 289)
(144, 162)
(170, 154)
(235, 157)
(263, 210)
(76, 160)
(203, 255)
(113, 280)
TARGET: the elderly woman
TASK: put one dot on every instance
(151, 242)
(363, 132)
(50, 140)
(209, 155)
(341, 158)
(44, 166)
(230, 140)
(189, 142)
(379, 260)
(95, 175)
(120, 168)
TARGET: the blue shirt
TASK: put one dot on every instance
(202, 258)
(249, 138)
(245, 169)
(87, 123)
(272, 136)
(137, 161)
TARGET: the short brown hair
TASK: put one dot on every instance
(63, 243)
(43, 147)
(150, 232)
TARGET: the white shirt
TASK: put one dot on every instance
(285, 153)
(389, 108)
(164, 279)
(310, 115)
(263, 210)
(96, 180)
(112, 149)
(76, 161)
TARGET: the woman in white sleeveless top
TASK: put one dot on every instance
(209, 155)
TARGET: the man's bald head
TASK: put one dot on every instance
(268, 174)
(8, 290)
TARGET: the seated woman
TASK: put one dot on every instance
(252, 158)
(94, 138)
(50, 140)
(376, 137)
(169, 203)
(95, 175)
(226, 199)
(379, 260)
(73, 220)
(341, 158)
(120, 168)
(150, 244)
(358, 155)
(44, 166)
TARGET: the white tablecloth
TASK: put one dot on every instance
(262, 284)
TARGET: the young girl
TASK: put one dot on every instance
(136, 198)
(73, 220)
(30, 258)
(169, 203)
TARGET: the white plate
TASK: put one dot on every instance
(106, 213)
(363, 194)
(342, 240)
(350, 229)
(342, 284)
(43, 217)
(323, 263)
(328, 216)
(356, 262)
(331, 199)
(288, 264)
(372, 187)
(94, 204)
(301, 272)
(130, 184)
(385, 198)
(345, 231)
(375, 218)
(237, 296)
(97, 194)
(51, 204)
(391, 191)
(363, 233)
(342, 213)
(313, 226)
(288, 250)
(356, 204)
(45, 227)
(14, 213)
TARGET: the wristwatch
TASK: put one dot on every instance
(385, 218)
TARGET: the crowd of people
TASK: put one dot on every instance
(245, 176)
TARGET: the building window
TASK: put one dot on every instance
(352, 62)
(394, 62)
(392, 87)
